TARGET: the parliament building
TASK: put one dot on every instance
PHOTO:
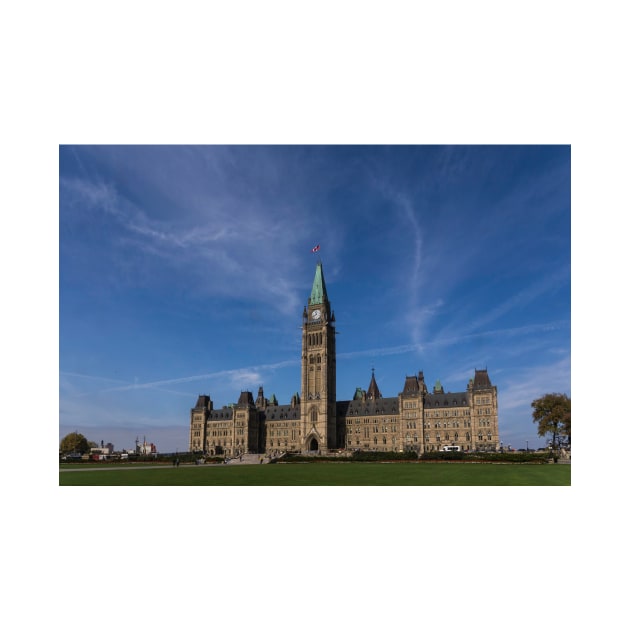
(315, 421)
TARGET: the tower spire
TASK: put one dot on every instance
(318, 292)
(373, 392)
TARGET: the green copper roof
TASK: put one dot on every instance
(318, 293)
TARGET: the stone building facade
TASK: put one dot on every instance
(315, 421)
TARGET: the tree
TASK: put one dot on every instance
(74, 443)
(552, 412)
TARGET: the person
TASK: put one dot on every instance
(177, 462)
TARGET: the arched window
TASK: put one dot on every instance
(313, 415)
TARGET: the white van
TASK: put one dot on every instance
(451, 448)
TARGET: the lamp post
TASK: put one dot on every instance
(527, 447)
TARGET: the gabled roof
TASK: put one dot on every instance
(202, 402)
(411, 385)
(380, 406)
(280, 412)
(448, 399)
(482, 380)
(246, 399)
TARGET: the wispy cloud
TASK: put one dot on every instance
(503, 333)
(547, 283)
(523, 386)
(253, 374)
(239, 248)
(405, 217)
(239, 376)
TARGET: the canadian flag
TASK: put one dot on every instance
(315, 249)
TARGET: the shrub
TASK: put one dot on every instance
(382, 456)
(511, 457)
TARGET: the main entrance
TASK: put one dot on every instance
(313, 445)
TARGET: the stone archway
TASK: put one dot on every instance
(313, 444)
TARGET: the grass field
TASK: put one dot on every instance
(322, 474)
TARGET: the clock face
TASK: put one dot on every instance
(316, 314)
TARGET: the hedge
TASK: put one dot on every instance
(512, 457)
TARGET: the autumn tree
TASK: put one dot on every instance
(552, 413)
(74, 443)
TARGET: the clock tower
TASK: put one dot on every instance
(319, 370)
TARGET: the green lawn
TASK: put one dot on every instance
(322, 474)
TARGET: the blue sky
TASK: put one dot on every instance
(184, 270)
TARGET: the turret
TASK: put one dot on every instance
(373, 392)
(261, 403)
